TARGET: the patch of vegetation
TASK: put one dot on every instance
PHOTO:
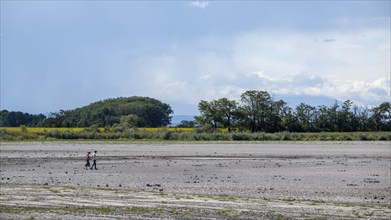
(346, 204)
(317, 202)
(230, 213)
(280, 216)
(68, 188)
(227, 198)
(182, 134)
(24, 209)
(49, 188)
(222, 197)
(289, 199)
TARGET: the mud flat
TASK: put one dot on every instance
(267, 180)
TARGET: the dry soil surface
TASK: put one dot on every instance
(267, 180)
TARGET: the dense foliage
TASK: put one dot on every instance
(258, 112)
(131, 111)
(15, 119)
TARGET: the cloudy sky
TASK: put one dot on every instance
(67, 54)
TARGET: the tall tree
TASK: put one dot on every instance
(257, 107)
(306, 115)
(227, 111)
(381, 116)
(362, 115)
(279, 111)
(345, 117)
(210, 113)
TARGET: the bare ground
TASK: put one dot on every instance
(305, 180)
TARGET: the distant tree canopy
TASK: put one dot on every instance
(258, 112)
(186, 124)
(15, 119)
(134, 111)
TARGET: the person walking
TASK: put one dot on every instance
(94, 161)
(88, 160)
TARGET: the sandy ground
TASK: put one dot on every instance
(267, 180)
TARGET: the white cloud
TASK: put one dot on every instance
(351, 67)
(349, 56)
(205, 77)
(199, 4)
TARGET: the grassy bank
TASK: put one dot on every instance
(179, 134)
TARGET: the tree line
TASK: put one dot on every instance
(15, 119)
(258, 112)
(118, 112)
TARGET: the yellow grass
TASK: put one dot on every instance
(40, 130)
(167, 129)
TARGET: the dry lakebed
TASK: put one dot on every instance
(207, 180)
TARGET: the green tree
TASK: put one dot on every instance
(210, 113)
(289, 121)
(306, 116)
(381, 116)
(327, 119)
(129, 121)
(227, 111)
(15, 119)
(362, 117)
(279, 111)
(186, 124)
(257, 107)
(106, 113)
(346, 117)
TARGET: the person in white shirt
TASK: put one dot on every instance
(94, 160)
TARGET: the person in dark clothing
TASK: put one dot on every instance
(94, 161)
(88, 160)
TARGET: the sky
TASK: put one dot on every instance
(61, 55)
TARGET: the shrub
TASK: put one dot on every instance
(365, 137)
(7, 136)
(205, 129)
(241, 137)
(167, 135)
(23, 128)
(384, 137)
(286, 136)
